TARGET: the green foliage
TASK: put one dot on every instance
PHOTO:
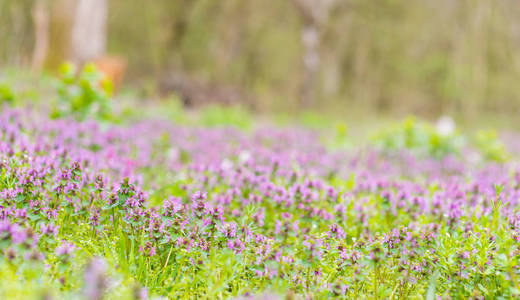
(14, 285)
(175, 110)
(423, 138)
(215, 115)
(446, 259)
(487, 142)
(314, 120)
(30, 280)
(6, 94)
(82, 96)
(341, 138)
(419, 137)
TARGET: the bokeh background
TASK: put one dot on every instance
(430, 58)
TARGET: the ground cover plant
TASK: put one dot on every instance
(90, 209)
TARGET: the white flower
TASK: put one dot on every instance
(445, 126)
(226, 164)
(244, 156)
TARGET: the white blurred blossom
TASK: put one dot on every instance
(445, 126)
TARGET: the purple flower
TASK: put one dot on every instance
(65, 248)
(95, 279)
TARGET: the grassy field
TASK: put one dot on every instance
(105, 198)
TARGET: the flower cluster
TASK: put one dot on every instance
(215, 212)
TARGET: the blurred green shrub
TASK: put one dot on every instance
(491, 148)
(215, 115)
(175, 110)
(419, 137)
(314, 120)
(6, 94)
(425, 139)
(84, 95)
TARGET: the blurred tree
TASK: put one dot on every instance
(315, 15)
(89, 30)
(16, 35)
(61, 21)
(426, 57)
(41, 34)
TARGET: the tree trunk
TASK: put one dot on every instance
(314, 14)
(89, 31)
(311, 63)
(41, 34)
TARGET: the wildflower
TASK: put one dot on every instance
(95, 279)
(65, 248)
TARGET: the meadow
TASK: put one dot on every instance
(96, 203)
